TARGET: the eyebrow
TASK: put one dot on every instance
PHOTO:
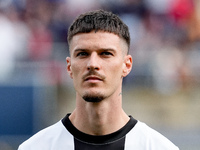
(101, 49)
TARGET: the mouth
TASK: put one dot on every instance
(93, 78)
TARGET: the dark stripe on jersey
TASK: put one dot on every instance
(116, 145)
(100, 139)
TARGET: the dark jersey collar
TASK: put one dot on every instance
(98, 139)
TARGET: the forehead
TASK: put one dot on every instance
(96, 40)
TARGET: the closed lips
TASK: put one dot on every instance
(93, 78)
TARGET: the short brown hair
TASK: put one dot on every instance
(99, 20)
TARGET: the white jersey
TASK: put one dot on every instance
(135, 135)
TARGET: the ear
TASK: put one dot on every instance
(127, 67)
(69, 70)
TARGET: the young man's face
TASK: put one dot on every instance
(97, 64)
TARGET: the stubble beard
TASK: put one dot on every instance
(93, 98)
(96, 96)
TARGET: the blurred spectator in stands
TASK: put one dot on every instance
(165, 67)
(37, 17)
(40, 42)
(181, 10)
(194, 23)
(13, 36)
(74, 8)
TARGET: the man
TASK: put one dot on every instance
(98, 42)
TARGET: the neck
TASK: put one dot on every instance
(99, 118)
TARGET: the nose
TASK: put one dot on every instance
(93, 62)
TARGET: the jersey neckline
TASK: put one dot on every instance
(100, 139)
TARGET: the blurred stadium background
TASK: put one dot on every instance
(163, 89)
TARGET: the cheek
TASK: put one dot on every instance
(116, 71)
(75, 70)
(78, 69)
(76, 75)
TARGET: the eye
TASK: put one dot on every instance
(82, 54)
(107, 53)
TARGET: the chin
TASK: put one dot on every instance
(94, 97)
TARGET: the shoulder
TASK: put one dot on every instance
(148, 137)
(46, 137)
